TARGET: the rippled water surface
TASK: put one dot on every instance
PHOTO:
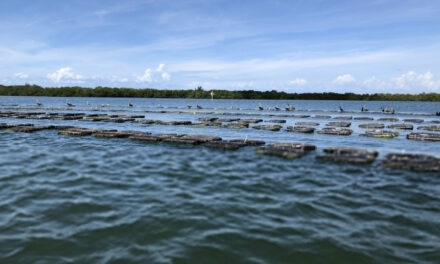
(91, 200)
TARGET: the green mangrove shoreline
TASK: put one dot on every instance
(76, 91)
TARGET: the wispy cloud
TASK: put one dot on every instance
(344, 79)
(297, 82)
(146, 77)
(224, 44)
(21, 75)
(269, 65)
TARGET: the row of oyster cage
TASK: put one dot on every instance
(287, 150)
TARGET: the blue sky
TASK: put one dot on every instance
(294, 46)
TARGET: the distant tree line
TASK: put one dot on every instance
(199, 92)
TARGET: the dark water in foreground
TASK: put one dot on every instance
(91, 200)
(87, 200)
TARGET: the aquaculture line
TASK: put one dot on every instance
(288, 150)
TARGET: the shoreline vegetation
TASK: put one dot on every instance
(199, 92)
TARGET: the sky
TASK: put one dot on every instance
(376, 46)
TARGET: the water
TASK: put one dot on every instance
(91, 200)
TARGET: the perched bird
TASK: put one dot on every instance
(189, 106)
(199, 106)
(277, 108)
(389, 110)
(39, 103)
(290, 107)
(260, 107)
(341, 109)
(364, 109)
(69, 104)
(130, 104)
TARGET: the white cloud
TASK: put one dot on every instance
(344, 79)
(160, 67)
(65, 74)
(375, 83)
(413, 79)
(410, 81)
(165, 76)
(297, 82)
(158, 75)
(146, 77)
(21, 75)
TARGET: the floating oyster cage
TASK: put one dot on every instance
(287, 150)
